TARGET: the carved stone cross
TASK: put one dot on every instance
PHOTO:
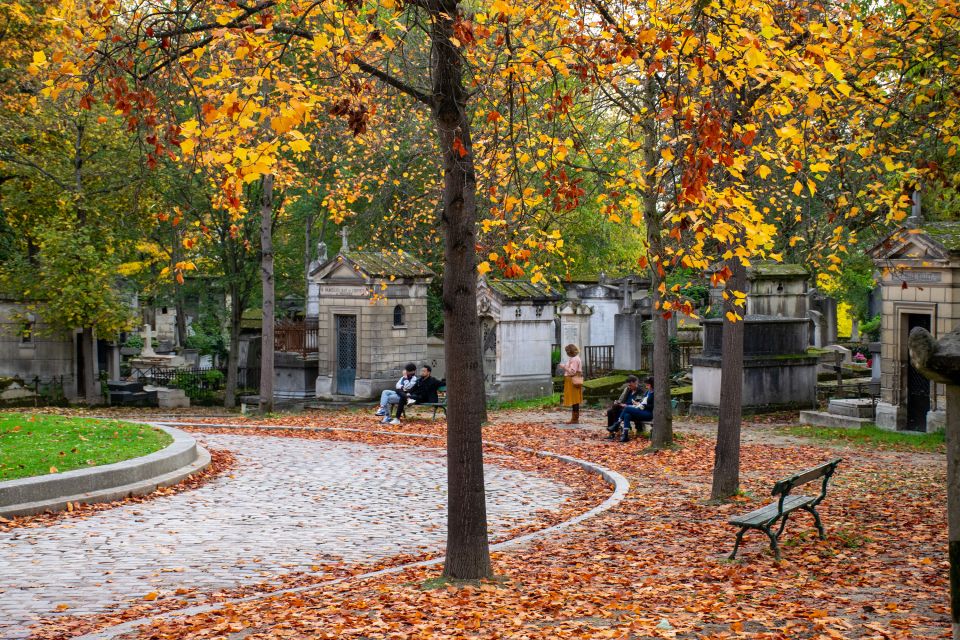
(147, 350)
(344, 246)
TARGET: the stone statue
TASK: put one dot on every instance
(940, 361)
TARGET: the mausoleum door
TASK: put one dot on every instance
(488, 342)
(346, 326)
(918, 387)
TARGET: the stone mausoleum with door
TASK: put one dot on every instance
(919, 265)
(371, 319)
(517, 333)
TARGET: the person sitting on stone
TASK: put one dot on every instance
(424, 391)
(630, 391)
(392, 396)
(641, 411)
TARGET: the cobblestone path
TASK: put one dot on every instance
(290, 504)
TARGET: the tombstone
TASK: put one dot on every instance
(823, 311)
(165, 326)
(516, 320)
(920, 287)
(778, 373)
(574, 324)
(604, 299)
(371, 319)
(148, 359)
(635, 309)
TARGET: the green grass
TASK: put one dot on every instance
(872, 436)
(33, 445)
(544, 402)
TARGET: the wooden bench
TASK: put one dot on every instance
(441, 403)
(765, 518)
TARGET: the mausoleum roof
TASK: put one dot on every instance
(383, 265)
(521, 290)
(770, 269)
(946, 233)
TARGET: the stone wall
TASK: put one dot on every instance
(45, 355)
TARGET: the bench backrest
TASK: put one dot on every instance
(825, 471)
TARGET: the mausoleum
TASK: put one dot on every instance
(370, 319)
(920, 283)
(517, 332)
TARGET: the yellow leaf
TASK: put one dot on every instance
(483, 267)
(833, 68)
(763, 171)
(153, 595)
(53, 470)
(300, 146)
(667, 155)
(39, 58)
(187, 146)
(797, 188)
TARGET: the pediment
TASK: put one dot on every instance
(339, 270)
(909, 245)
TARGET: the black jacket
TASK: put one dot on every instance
(425, 390)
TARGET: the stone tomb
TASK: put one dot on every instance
(371, 319)
(517, 332)
(920, 287)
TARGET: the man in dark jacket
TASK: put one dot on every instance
(630, 391)
(424, 392)
(639, 412)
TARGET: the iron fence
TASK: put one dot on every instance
(597, 360)
(43, 392)
(296, 336)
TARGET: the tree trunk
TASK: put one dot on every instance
(233, 354)
(91, 373)
(307, 256)
(661, 433)
(726, 465)
(953, 502)
(468, 553)
(266, 281)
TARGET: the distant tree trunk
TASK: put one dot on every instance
(726, 466)
(267, 284)
(181, 329)
(661, 434)
(468, 553)
(307, 256)
(91, 373)
(233, 354)
(953, 503)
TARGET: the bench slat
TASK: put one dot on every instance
(806, 476)
(765, 514)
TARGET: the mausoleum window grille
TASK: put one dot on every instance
(26, 333)
(539, 311)
(399, 316)
(518, 313)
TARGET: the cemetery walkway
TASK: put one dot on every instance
(291, 505)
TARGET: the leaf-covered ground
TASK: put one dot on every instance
(654, 566)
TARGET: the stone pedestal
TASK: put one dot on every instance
(777, 372)
(294, 376)
(140, 367)
(628, 341)
(891, 416)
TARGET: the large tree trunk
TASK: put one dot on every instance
(233, 354)
(266, 281)
(726, 465)
(91, 373)
(468, 553)
(953, 502)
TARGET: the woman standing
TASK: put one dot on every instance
(573, 394)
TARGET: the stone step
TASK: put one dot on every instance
(852, 407)
(824, 419)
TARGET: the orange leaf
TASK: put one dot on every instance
(458, 147)
(151, 596)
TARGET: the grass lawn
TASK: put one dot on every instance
(34, 445)
(871, 435)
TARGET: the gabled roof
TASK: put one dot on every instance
(516, 290)
(377, 264)
(931, 241)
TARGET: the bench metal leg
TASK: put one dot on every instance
(816, 520)
(773, 543)
(783, 525)
(736, 546)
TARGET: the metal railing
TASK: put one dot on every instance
(597, 360)
(296, 336)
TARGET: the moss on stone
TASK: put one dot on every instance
(946, 233)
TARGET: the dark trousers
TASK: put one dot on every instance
(637, 415)
(613, 414)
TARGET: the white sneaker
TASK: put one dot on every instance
(411, 402)
(386, 420)
(381, 412)
(395, 421)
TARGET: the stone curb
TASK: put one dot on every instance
(105, 483)
(621, 487)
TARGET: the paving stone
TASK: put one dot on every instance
(290, 504)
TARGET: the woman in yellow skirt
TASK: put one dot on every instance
(572, 395)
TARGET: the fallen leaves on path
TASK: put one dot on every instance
(654, 567)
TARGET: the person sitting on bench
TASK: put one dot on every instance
(389, 396)
(630, 391)
(641, 411)
(424, 392)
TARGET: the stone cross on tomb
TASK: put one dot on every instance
(147, 350)
(344, 246)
